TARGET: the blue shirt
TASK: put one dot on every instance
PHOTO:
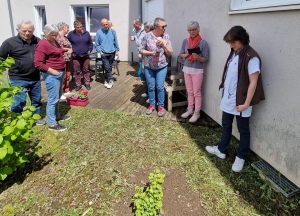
(106, 41)
(81, 44)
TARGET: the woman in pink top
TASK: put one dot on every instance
(49, 59)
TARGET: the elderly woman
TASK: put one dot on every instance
(193, 69)
(148, 26)
(156, 47)
(64, 42)
(82, 46)
(49, 59)
(242, 88)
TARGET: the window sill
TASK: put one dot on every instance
(265, 9)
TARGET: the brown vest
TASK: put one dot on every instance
(243, 77)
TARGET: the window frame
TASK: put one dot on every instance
(39, 20)
(249, 6)
(87, 11)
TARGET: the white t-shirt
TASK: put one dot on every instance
(228, 102)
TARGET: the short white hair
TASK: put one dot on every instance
(193, 24)
(24, 22)
(50, 28)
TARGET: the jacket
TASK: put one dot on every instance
(23, 54)
(81, 44)
(243, 77)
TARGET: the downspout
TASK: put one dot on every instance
(141, 10)
(10, 18)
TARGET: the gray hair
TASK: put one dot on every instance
(138, 21)
(62, 25)
(77, 23)
(193, 24)
(156, 21)
(149, 24)
(24, 22)
(50, 28)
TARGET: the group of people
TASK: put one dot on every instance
(241, 81)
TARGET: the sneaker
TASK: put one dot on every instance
(57, 127)
(63, 97)
(238, 164)
(195, 117)
(150, 109)
(214, 150)
(68, 94)
(105, 84)
(63, 118)
(188, 113)
(160, 112)
(40, 122)
(110, 84)
(144, 95)
(148, 101)
(88, 87)
(139, 78)
(78, 88)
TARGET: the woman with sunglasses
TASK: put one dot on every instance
(156, 47)
(195, 52)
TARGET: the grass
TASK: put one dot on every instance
(84, 170)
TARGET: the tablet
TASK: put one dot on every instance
(194, 50)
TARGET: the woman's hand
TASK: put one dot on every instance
(241, 108)
(185, 55)
(161, 43)
(195, 55)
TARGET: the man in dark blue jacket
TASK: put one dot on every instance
(23, 73)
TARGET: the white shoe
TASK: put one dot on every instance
(148, 101)
(68, 94)
(105, 84)
(144, 95)
(238, 164)
(63, 97)
(110, 84)
(189, 112)
(195, 117)
(214, 150)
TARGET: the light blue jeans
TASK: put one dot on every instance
(156, 79)
(54, 90)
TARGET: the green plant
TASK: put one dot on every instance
(15, 128)
(148, 201)
(81, 95)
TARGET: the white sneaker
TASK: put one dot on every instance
(63, 97)
(238, 164)
(68, 94)
(144, 95)
(105, 84)
(110, 84)
(148, 101)
(214, 150)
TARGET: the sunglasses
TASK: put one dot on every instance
(163, 27)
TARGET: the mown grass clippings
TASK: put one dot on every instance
(84, 170)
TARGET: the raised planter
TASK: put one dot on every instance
(77, 102)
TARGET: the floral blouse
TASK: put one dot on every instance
(149, 43)
(64, 42)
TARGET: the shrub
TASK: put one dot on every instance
(15, 128)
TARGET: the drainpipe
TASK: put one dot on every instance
(10, 18)
(140, 10)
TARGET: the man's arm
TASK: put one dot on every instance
(116, 43)
(97, 42)
(4, 50)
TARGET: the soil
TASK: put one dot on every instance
(178, 199)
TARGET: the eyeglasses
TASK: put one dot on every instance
(163, 27)
(192, 30)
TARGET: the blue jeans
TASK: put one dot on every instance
(34, 91)
(108, 60)
(54, 90)
(244, 130)
(156, 78)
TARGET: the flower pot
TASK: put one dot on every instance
(77, 102)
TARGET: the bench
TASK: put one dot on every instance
(175, 82)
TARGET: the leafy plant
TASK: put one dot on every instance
(15, 128)
(148, 201)
(81, 95)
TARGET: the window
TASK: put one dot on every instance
(237, 5)
(40, 20)
(153, 9)
(90, 17)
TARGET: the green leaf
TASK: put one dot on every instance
(2, 176)
(6, 170)
(13, 137)
(13, 122)
(32, 108)
(26, 114)
(22, 160)
(3, 152)
(1, 138)
(10, 149)
(36, 116)
(10, 61)
(7, 130)
(21, 124)
(4, 95)
(5, 159)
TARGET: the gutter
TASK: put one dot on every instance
(10, 18)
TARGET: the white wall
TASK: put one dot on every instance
(275, 128)
(122, 13)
